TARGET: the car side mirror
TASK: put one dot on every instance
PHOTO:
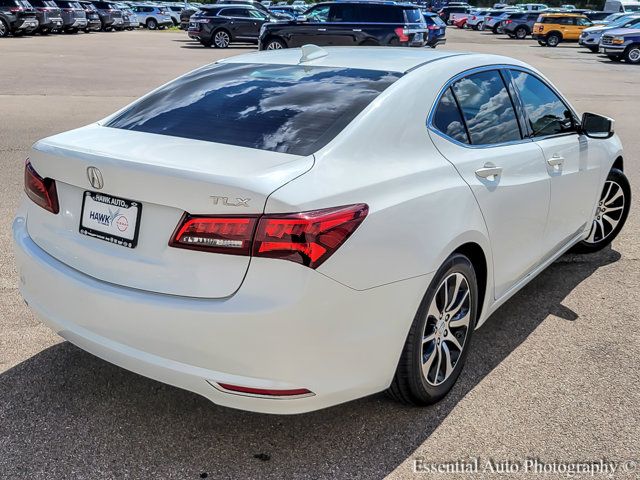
(301, 18)
(596, 126)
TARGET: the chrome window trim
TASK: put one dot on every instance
(498, 67)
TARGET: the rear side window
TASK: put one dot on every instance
(292, 109)
(487, 108)
(378, 13)
(447, 118)
(548, 115)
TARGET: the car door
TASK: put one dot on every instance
(239, 21)
(573, 169)
(257, 18)
(311, 30)
(476, 127)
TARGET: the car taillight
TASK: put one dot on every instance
(232, 235)
(16, 9)
(432, 27)
(308, 238)
(41, 190)
(402, 36)
(473, 17)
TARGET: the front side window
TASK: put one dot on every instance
(447, 118)
(294, 109)
(487, 108)
(548, 115)
(320, 14)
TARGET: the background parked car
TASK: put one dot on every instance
(493, 19)
(48, 14)
(152, 16)
(185, 15)
(110, 15)
(436, 29)
(74, 17)
(475, 21)
(590, 37)
(129, 18)
(16, 17)
(174, 13)
(622, 43)
(596, 17)
(445, 12)
(221, 25)
(460, 22)
(553, 28)
(621, 6)
(93, 18)
(350, 24)
(519, 24)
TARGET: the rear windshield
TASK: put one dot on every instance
(294, 109)
(413, 15)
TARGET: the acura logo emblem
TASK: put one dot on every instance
(95, 178)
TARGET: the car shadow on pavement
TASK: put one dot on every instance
(67, 414)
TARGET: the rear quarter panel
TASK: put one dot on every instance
(420, 209)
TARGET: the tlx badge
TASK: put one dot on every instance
(240, 202)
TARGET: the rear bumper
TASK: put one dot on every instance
(287, 327)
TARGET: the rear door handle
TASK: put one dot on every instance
(555, 161)
(357, 29)
(322, 29)
(489, 171)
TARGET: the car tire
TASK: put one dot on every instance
(496, 29)
(481, 26)
(152, 24)
(520, 33)
(611, 214)
(593, 49)
(632, 54)
(221, 39)
(44, 32)
(553, 39)
(4, 28)
(435, 351)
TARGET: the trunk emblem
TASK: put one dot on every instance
(95, 177)
(240, 202)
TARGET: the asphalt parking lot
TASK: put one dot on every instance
(552, 375)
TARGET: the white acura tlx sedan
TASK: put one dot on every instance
(284, 231)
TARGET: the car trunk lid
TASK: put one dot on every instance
(167, 176)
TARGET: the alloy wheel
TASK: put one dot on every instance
(3, 28)
(221, 39)
(609, 212)
(274, 46)
(446, 329)
(633, 55)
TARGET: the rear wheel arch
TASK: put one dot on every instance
(554, 32)
(619, 164)
(273, 37)
(475, 253)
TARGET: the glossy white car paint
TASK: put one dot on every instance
(195, 319)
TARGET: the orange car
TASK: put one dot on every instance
(552, 28)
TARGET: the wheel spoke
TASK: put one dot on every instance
(426, 366)
(457, 308)
(439, 364)
(428, 338)
(461, 322)
(615, 197)
(448, 366)
(606, 195)
(452, 338)
(456, 290)
(611, 221)
(434, 311)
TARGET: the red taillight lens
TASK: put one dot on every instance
(232, 235)
(507, 22)
(432, 27)
(266, 391)
(41, 190)
(308, 238)
(402, 36)
(16, 9)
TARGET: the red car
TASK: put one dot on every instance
(460, 22)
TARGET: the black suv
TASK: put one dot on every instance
(16, 17)
(349, 24)
(519, 24)
(48, 14)
(221, 25)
